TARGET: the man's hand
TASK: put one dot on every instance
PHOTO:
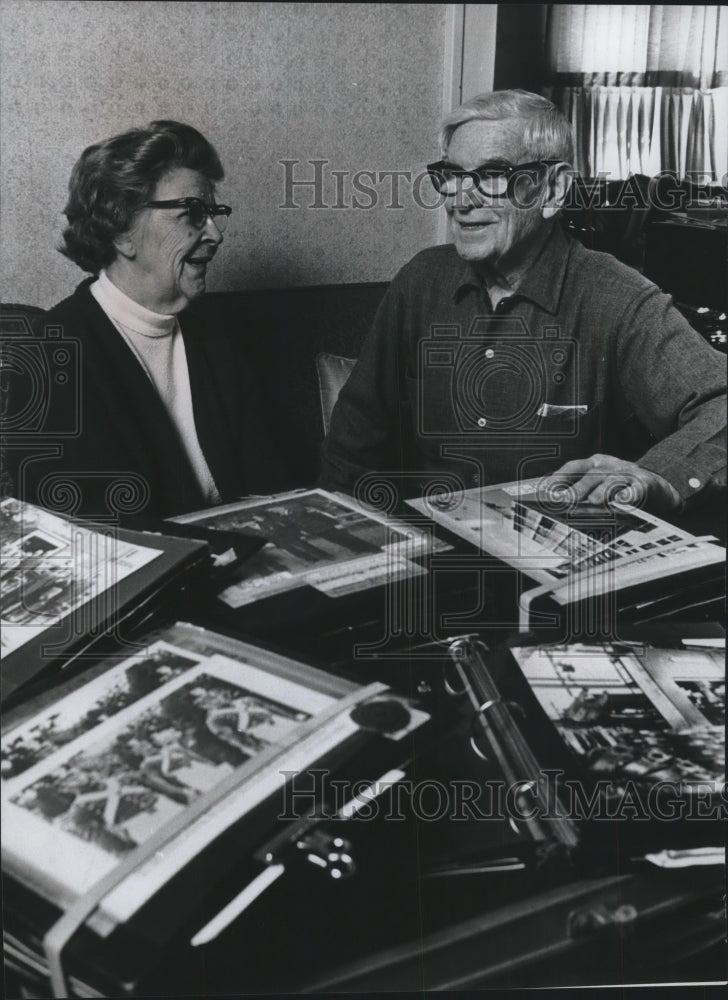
(602, 479)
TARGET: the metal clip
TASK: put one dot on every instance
(595, 920)
(329, 852)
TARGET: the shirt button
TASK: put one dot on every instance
(694, 483)
(490, 353)
(482, 421)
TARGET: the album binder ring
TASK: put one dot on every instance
(449, 689)
(481, 710)
(476, 749)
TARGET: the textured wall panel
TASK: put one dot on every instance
(358, 85)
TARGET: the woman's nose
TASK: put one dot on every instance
(211, 231)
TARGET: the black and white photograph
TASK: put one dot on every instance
(552, 538)
(73, 716)
(621, 726)
(51, 568)
(318, 539)
(307, 530)
(119, 790)
(141, 759)
(346, 348)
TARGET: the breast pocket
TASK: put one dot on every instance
(576, 431)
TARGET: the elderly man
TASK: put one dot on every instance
(515, 352)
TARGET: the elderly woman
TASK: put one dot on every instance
(164, 415)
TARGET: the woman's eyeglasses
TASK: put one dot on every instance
(197, 211)
(492, 178)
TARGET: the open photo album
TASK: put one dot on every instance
(323, 540)
(574, 551)
(51, 567)
(187, 736)
(64, 585)
(644, 716)
(603, 733)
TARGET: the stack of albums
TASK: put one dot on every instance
(143, 807)
(150, 841)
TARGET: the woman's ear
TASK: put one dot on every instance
(126, 245)
(558, 183)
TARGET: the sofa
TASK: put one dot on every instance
(283, 332)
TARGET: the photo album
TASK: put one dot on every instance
(574, 551)
(318, 539)
(64, 585)
(142, 744)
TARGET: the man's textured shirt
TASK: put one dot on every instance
(586, 357)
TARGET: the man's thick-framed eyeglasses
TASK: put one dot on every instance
(493, 178)
(197, 211)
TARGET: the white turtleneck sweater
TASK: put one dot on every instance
(157, 344)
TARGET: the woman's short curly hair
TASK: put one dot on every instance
(112, 180)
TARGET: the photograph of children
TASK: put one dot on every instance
(119, 790)
(77, 714)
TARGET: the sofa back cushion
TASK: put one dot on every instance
(333, 371)
(282, 331)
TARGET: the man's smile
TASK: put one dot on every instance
(475, 225)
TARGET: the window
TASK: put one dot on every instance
(645, 87)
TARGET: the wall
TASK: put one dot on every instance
(358, 85)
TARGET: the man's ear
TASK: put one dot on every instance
(558, 184)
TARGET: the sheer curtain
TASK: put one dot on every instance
(645, 87)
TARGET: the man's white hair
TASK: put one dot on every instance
(546, 133)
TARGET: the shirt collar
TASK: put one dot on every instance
(544, 281)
